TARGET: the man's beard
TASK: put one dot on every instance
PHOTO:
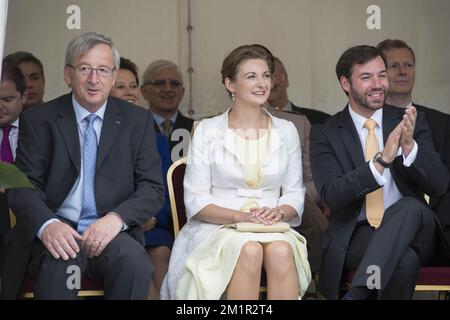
(362, 99)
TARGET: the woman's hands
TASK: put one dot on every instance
(266, 216)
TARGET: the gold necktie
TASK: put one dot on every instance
(374, 200)
(167, 128)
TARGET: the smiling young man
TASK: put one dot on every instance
(372, 164)
(94, 165)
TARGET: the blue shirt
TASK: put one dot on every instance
(71, 207)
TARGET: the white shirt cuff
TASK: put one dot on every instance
(378, 177)
(408, 161)
(124, 225)
(41, 229)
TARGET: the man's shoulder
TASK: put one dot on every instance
(432, 113)
(330, 127)
(128, 109)
(184, 122)
(314, 116)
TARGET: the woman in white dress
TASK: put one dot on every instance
(243, 166)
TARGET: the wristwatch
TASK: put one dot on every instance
(378, 158)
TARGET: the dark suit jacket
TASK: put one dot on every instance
(439, 125)
(343, 178)
(128, 178)
(181, 122)
(314, 116)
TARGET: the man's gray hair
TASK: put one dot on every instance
(156, 66)
(85, 42)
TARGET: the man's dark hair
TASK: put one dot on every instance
(19, 57)
(12, 73)
(356, 55)
(129, 65)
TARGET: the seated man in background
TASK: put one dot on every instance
(97, 179)
(401, 71)
(33, 71)
(278, 96)
(163, 89)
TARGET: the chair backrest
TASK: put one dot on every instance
(175, 177)
(12, 219)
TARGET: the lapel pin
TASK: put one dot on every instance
(117, 122)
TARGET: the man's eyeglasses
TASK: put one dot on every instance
(162, 83)
(85, 70)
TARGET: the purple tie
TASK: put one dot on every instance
(5, 152)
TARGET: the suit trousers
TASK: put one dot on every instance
(123, 267)
(406, 239)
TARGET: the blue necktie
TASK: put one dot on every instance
(89, 209)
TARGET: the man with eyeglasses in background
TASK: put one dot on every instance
(97, 179)
(163, 89)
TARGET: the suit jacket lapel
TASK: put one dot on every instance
(350, 137)
(68, 127)
(228, 139)
(391, 117)
(111, 126)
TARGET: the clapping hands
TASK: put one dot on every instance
(401, 136)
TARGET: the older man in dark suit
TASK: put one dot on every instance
(163, 89)
(372, 164)
(97, 178)
(401, 71)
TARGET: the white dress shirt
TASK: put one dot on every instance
(391, 194)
